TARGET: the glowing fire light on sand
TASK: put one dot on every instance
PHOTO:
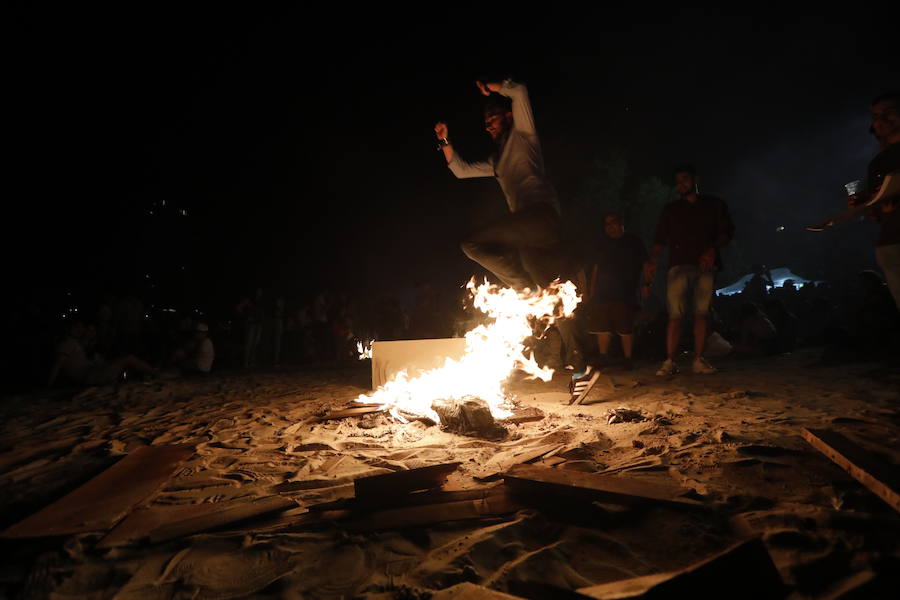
(492, 353)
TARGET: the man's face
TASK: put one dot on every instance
(613, 227)
(885, 122)
(497, 125)
(685, 183)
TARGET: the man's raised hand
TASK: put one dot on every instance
(440, 130)
(487, 88)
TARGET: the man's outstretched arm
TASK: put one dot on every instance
(461, 168)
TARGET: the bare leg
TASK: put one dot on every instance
(673, 336)
(627, 343)
(700, 326)
(603, 340)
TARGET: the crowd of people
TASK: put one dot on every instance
(116, 337)
(621, 320)
(525, 247)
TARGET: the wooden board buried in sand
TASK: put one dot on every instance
(542, 480)
(163, 523)
(389, 358)
(101, 502)
(402, 482)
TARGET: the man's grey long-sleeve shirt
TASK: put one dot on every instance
(520, 168)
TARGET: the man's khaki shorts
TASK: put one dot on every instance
(688, 281)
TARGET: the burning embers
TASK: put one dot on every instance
(492, 353)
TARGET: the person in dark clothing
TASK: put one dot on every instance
(694, 227)
(613, 289)
(885, 112)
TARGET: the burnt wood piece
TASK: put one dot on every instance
(351, 412)
(530, 480)
(527, 414)
(104, 500)
(163, 523)
(469, 417)
(882, 479)
(742, 571)
(391, 485)
(494, 505)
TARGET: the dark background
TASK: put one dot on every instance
(303, 154)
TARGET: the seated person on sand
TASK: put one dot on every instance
(71, 360)
(197, 354)
(758, 335)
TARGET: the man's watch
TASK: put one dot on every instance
(442, 142)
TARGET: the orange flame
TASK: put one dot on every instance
(492, 353)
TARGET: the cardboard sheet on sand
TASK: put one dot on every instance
(104, 500)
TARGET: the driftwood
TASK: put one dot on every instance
(873, 473)
(391, 485)
(744, 570)
(104, 500)
(159, 524)
(543, 481)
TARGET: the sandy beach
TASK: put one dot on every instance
(731, 442)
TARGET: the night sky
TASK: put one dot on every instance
(304, 164)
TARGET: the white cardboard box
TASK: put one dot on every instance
(389, 358)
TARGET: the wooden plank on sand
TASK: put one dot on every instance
(104, 500)
(742, 571)
(161, 523)
(352, 412)
(593, 486)
(415, 499)
(493, 505)
(873, 473)
(399, 483)
(527, 414)
(499, 463)
(236, 511)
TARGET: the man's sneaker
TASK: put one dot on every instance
(667, 368)
(627, 364)
(701, 367)
(582, 383)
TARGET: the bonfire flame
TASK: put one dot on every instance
(492, 352)
(364, 351)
